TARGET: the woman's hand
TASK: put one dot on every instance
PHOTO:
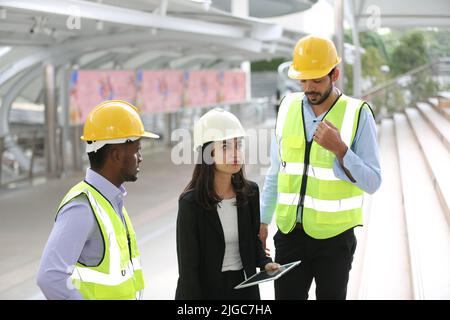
(271, 266)
(263, 232)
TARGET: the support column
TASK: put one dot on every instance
(240, 8)
(65, 118)
(78, 147)
(339, 38)
(1, 157)
(168, 120)
(357, 55)
(51, 121)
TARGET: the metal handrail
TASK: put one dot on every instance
(30, 173)
(395, 80)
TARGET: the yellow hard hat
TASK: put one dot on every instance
(113, 121)
(313, 58)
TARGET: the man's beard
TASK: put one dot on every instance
(129, 177)
(323, 97)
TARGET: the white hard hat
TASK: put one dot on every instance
(216, 125)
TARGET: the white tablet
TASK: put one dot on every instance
(264, 275)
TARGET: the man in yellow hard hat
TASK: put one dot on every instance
(324, 156)
(92, 251)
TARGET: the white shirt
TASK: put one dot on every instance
(228, 217)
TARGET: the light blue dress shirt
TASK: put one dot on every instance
(361, 160)
(75, 236)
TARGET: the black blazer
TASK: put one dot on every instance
(201, 247)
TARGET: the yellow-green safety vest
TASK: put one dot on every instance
(306, 181)
(119, 274)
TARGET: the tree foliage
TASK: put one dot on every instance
(409, 54)
(267, 65)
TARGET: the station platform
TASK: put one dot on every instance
(403, 249)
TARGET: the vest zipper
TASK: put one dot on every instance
(301, 200)
(128, 238)
(129, 244)
(283, 163)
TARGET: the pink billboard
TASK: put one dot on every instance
(154, 91)
(88, 88)
(202, 88)
(160, 91)
(233, 85)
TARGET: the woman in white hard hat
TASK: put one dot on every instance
(218, 216)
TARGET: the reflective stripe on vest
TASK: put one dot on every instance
(297, 169)
(115, 277)
(330, 205)
(322, 205)
(118, 276)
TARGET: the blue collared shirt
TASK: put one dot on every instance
(361, 160)
(75, 237)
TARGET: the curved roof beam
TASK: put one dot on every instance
(92, 64)
(20, 84)
(120, 15)
(142, 62)
(185, 61)
(111, 41)
(97, 62)
(268, 8)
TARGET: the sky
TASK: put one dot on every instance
(318, 20)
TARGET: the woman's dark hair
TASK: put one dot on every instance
(202, 184)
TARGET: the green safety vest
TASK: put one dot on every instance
(119, 274)
(306, 181)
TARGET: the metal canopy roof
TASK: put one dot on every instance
(39, 31)
(147, 34)
(268, 8)
(371, 14)
(150, 34)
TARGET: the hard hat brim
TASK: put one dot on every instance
(146, 134)
(308, 75)
(232, 136)
(150, 135)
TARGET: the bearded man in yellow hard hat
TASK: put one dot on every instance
(92, 251)
(324, 156)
